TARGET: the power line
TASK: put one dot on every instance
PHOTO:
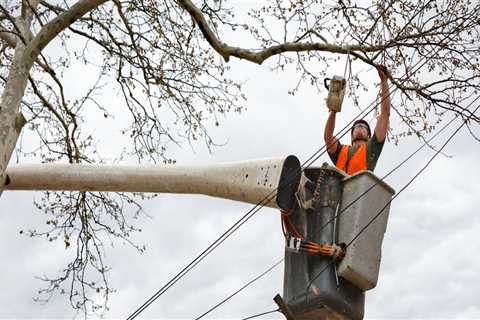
(230, 231)
(361, 195)
(411, 180)
(260, 314)
(350, 204)
(437, 133)
(227, 233)
(245, 218)
(239, 290)
(268, 270)
(396, 195)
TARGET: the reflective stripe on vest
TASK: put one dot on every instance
(358, 161)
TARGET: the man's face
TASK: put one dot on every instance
(360, 132)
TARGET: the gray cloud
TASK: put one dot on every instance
(429, 264)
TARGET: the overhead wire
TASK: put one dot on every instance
(437, 133)
(260, 314)
(409, 157)
(248, 215)
(414, 177)
(350, 204)
(437, 152)
(371, 187)
(235, 226)
(240, 289)
(232, 229)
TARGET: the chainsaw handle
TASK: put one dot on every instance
(325, 83)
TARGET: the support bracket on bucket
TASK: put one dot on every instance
(283, 307)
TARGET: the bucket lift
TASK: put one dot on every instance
(338, 210)
(331, 259)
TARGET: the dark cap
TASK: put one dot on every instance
(365, 123)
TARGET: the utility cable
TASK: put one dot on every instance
(261, 314)
(361, 195)
(347, 206)
(239, 290)
(229, 231)
(232, 229)
(268, 270)
(236, 225)
(396, 195)
(350, 204)
(243, 219)
(437, 133)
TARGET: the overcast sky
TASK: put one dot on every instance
(430, 264)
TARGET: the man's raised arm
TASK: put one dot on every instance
(330, 140)
(383, 120)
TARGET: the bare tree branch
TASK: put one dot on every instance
(50, 30)
(168, 74)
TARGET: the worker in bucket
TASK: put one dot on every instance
(366, 148)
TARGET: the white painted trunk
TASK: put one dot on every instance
(27, 50)
(11, 120)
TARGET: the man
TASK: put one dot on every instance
(365, 149)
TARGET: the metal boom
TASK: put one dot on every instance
(248, 181)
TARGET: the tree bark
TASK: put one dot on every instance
(11, 120)
(27, 50)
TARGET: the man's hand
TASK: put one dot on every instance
(382, 73)
(331, 110)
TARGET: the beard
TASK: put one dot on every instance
(360, 138)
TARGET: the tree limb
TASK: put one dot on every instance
(260, 56)
(50, 30)
(8, 38)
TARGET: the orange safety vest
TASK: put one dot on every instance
(357, 163)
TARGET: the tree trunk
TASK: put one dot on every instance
(11, 119)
